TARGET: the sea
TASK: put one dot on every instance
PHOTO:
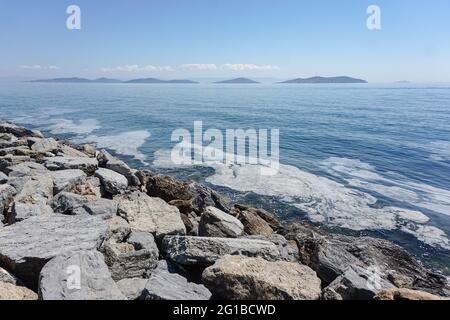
(359, 159)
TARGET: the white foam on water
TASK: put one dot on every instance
(440, 150)
(327, 201)
(126, 143)
(79, 127)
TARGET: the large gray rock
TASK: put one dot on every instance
(101, 207)
(7, 193)
(9, 291)
(112, 182)
(27, 168)
(216, 223)
(81, 275)
(37, 190)
(243, 278)
(21, 211)
(7, 127)
(164, 285)
(119, 166)
(65, 180)
(7, 277)
(3, 178)
(67, 151)
(45, 145)
(288, 249)
(330, 255)
(88, 165)
(202, 251)
(149, 214)
(132, 288)
(69, 203)
(118, 230)
(134, 258)
(356, 284)
(26, 246)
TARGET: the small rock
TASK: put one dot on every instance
(65, 180)
(149, 214)
(132, 288)
(88, 165)
(89, 150)
(81, 275)
(216, 223)
(243, 278)
(101, 207)
(9, 291)
(202, 251)
(164, 285)
(406, 294)
(112, 182)
(45, 145)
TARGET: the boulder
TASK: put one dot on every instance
(269, 218)
(101, 207)
(216, 223)
(330, 255)
(116, 165)
(37, 190)
(9, 291)
(3, 178)
(7, 277)
(7, 127)
(68, 203)
(112, 182)
(406, 294)
(88, 165)
(254, 224)
(149, 214)
(132, 288)
(26, 168)
(288, 249)
(134, 258)
(243, 278)
(81, 275)
(26, 246)
(7, 193)
(202, 251)
(90, 187)
(45, 145)
(203, 197)
(164, 285)
(118, 230)
(21, 211)
(356, 284)
(67, 151)
(65, 180)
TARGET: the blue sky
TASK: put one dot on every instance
(212, 38)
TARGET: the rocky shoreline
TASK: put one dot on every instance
(78, 223)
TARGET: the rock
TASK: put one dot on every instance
(118, 230)
(37, 190)
(45, 145)
(356, 284)
(68, 203)
(6, 127)
(88, 165)
(101, 207)
(406, 294)
(81, 275)
(7, 193)
(201, 251)
(3, 178)
(21, 211)
(91, 187)
(203, 197)
(26, 168)
(26, 246)
(164, 285)
(243, 278)
(330, 255)
(149, 214)
(9, 291)
(269, 218)
(89, 150)
(112, 182)
(68, 151)
(132, 288)
(65, 180)
(7, 277)
(216, 223)
(288, 251)
(254, 225)
(116, 165)
(132, 259)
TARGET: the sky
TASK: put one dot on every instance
(226, 38)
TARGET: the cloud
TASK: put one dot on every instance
(38, 67)
(137, 68)
(198, 67)
(247, 66)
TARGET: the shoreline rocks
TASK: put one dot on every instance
(133, 234)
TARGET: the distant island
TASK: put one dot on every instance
(238, 81)
(107, 80)
(343, 79)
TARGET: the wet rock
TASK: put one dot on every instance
(81, 275)
(22, 211)
(65, 180)
(202, 251)
(101, 207)
(134, 258)
(88, 165)
(132, 288)
(149, 214)
(356, 284)
(26, 246)
(406, 294)
(216, 223)
(45, 145)
(243, 278)
(164, 285)
(112, 182)
(331, 255)
(9, 291)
